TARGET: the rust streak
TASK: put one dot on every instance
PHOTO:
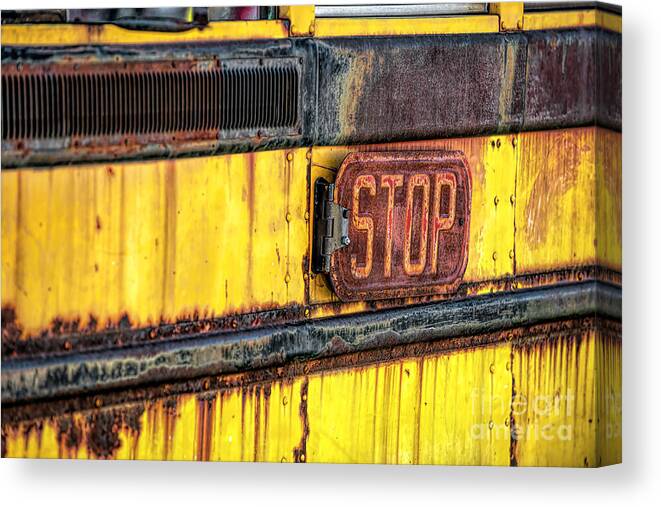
(300, 451)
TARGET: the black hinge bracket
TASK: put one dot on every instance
(331, 226)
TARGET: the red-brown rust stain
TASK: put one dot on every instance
(70, 437)
(11, 328)
(123, 330)
(300, 451)
(36, 426)
(204, 425)
(71, 335)
(170, 416)
(524, 338)
(266, 389)
(102, 429)
(257, 396)
(514, 439)
(557, 158)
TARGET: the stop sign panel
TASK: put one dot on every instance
(409, 217)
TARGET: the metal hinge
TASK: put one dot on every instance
(331, 226)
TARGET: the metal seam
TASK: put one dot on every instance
(25, 380)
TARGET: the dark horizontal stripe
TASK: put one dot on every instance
(372, 90)
(382, 89)
(25, 380)
(163, 101)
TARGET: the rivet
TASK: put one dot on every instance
(496, 200)
(307, 215)
(512, 199)
(287, 278)
(285, 400)
(492, 368)
(502, 25)
(305, 276)
(290, 156)
(507, 422)
(307, 312)
(302, 457)
(514, 142)
(312, 27)
(519, 24)
(490, 425)
(508, 366)
(308, 155)
(304, 397)
(511, 254)
(288, 217)
(495, 256)
(294, 29)
(498, 143)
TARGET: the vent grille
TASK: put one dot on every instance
(109, 101)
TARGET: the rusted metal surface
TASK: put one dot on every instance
(114, 103)
(404, 88)
(573, 76)
(370, 89)
(409, 224)
(228, 353)
(284, 407)
(65, 337)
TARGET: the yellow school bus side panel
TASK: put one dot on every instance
(555, 200)
(492, 162)
(154, 241)
(566, 403)
(549, 401)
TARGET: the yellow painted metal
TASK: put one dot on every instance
(78, 34)
(553, 401)
(510, 14)
(301, 19)
(347, 27)
(566, 405)
(436, 409)
(564, 178)
(608, 164)
(541, 201)
(301, 22)
(555, 20)
(154, 241)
